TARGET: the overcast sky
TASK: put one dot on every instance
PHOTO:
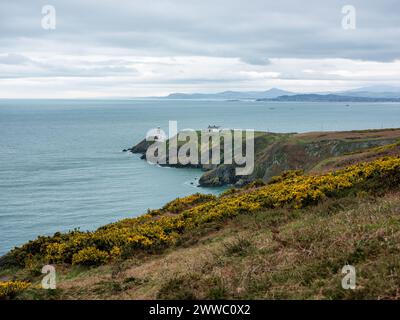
(104, 48)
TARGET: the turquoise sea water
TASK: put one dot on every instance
(61, 165)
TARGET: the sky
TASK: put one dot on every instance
(104, 48)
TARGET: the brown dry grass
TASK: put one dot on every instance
(275, 254)
(350, 135)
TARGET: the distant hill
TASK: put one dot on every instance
(329, 98)
(377, 89)
(232, 95)
(373, 92)
(378, 93)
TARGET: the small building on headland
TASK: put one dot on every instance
(213, 128)
(158, 135)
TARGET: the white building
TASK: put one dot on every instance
(213, 128)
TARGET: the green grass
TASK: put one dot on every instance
(281, 253)
(272, 254)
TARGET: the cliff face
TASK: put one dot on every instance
(276, 153)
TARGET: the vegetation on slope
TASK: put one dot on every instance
(9, 289)
(287, 198)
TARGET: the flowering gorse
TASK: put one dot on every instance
(162, 228)
(9, 289)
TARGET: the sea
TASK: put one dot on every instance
(62, 165)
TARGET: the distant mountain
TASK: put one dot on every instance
(376, 89)
(232, 95)
(381, 91)
(328, 98)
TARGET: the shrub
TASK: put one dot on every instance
(255, 184)
(178, 288)
(180, 204)
(155, 231)
(115, 252)
(10, 289)
(239, 247)
(55, 252)
(90, 257)
(229, 192)
(286, 175)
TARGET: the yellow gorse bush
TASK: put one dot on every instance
(55, 252)
(9, 289)
(162, 228)
(180, 204)
(90, 256)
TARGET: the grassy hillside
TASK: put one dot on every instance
(270, 255)
(287, 239)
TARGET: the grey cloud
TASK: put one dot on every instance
(63, 68)
(257, 61)
(256, 33)
(14, 59)
(215, 28)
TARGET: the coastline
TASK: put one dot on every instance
(279, 152)
(127, 254)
